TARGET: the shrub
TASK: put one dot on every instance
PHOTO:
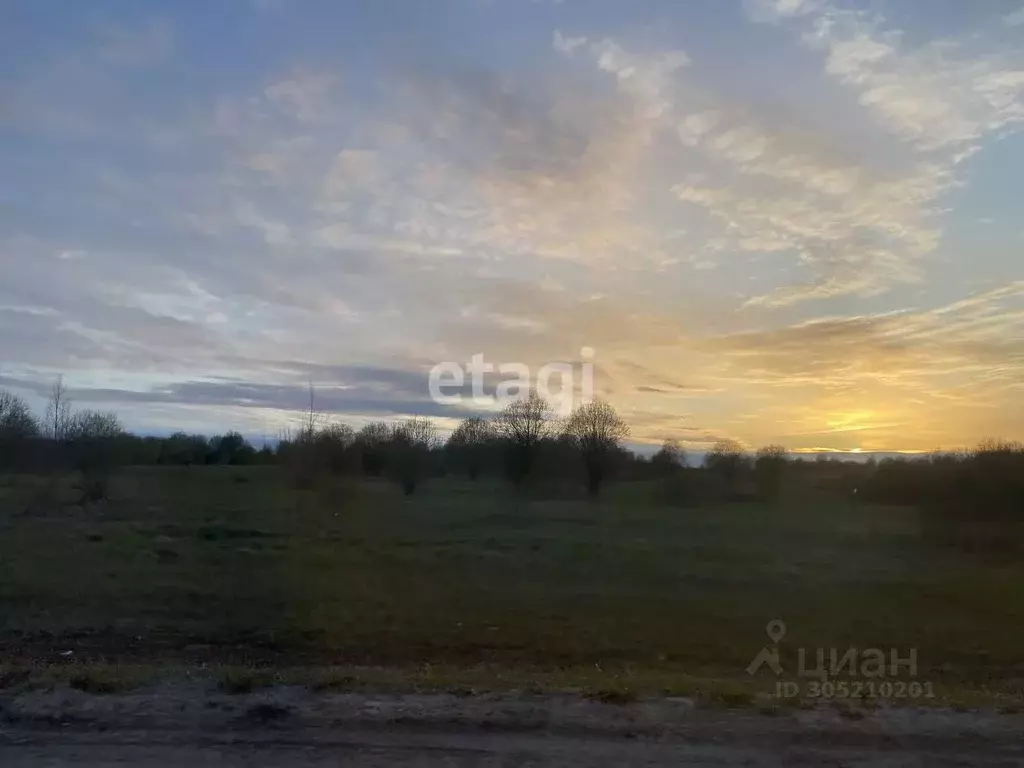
(973, 500)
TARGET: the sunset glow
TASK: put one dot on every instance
(778, 221)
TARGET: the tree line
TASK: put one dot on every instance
(525, 444)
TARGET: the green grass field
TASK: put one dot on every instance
(471, 584)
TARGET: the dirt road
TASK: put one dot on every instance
(189, 725)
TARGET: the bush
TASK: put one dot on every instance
(94, 487)
(984, 484)
(690, 487)
(973, 500)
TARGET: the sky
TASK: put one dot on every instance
(777, 221)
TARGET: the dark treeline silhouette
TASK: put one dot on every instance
(986, 484)
(527, 446)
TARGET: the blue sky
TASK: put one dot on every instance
(792, 221)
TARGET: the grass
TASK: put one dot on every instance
(607, 686)
(466, 587)
(91, 677)
(238, 680)
(94, 681)
(620, 696)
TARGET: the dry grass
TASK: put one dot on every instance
(464, 587)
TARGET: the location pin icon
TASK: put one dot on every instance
(776, 630)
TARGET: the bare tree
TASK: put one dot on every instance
(410, 446)
(468, 444)
(418, 431)
(670, 457)
(522, 426)
(596, 431)
(94, 424)
(58, 412)
(679, 486)
(93, 446)
(18, 427)
(229, 448)
(16, 420)
(306, 453)
(334, 445)
(311, 419)
(371, 444)
(727, 460)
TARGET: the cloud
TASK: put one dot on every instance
(305, 95)
(937, 96)
(567, 45)
(275, 233)
(859, 228)
(913, 378)
(745, 264)
(466, 161)
(1014, 19)
(773, 10)
(353, 391)
(969, 351)
(649, 79)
